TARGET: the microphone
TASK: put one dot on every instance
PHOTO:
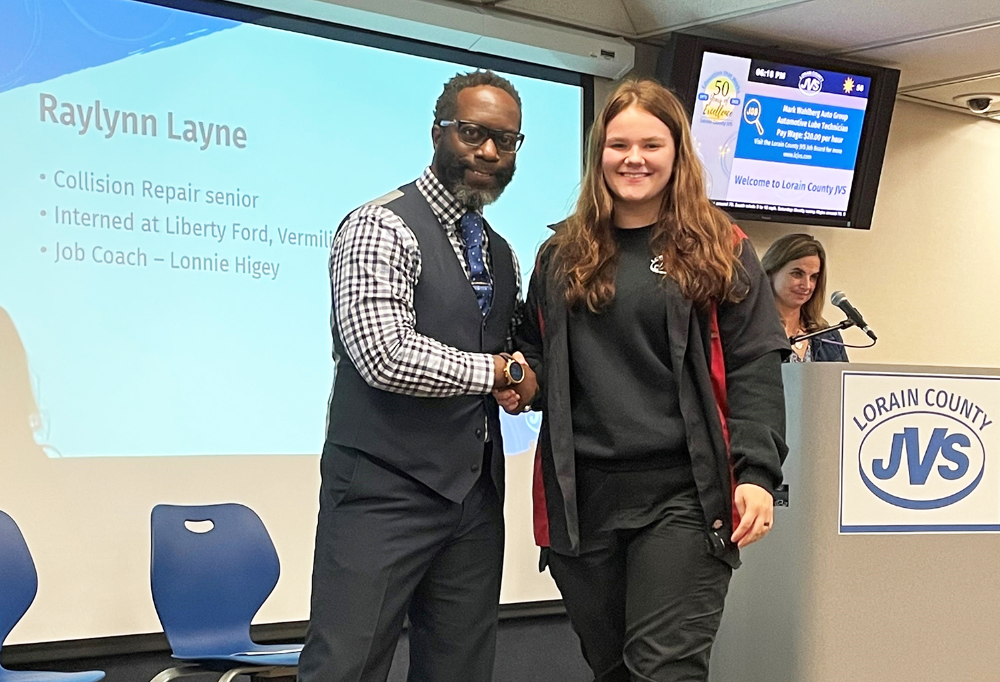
(840, 300)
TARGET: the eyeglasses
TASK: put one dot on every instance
(475, 135)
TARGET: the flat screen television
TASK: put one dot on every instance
(783, 136)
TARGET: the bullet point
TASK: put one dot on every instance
(43, 214)
(43, 249)
(42, 176)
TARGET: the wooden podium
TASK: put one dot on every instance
(814, 604)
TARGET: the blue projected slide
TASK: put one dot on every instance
(777, 136)
(169, 190)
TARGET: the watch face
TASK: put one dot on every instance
(516, 372)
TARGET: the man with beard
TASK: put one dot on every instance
(425, 296)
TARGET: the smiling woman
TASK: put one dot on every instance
(640, 509)
(637, 163)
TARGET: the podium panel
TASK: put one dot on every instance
(885, 566)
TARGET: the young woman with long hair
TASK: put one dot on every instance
(649, 318)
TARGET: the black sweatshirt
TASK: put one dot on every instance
(625, 405)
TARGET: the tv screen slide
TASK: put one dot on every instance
(170, 185)
(778, 137)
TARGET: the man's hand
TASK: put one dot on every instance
(756, 508)
(515, 399)
(499, 378)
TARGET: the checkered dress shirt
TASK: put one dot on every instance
(374, 267)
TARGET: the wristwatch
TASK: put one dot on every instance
(512, 371)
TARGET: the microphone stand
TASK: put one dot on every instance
(802, 337)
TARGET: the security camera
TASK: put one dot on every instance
(978, 103)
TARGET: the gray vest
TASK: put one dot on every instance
(438, 441)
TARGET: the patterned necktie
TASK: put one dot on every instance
(472, 234)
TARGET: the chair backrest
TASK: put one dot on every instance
(18, 580)
(207, 586)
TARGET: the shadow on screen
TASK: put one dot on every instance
(20, 418)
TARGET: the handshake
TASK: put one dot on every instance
(514, 382)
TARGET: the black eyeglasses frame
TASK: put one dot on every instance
(491, 134)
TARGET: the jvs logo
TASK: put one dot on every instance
(918, 453)
(922, 460)
(811, 82)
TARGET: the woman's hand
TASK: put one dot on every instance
(756, 508)
(508, 399)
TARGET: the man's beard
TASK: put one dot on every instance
(453, 178)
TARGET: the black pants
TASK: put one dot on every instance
(388, 546)
(646, 601)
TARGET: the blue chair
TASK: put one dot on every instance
(212, 568)
(18, 586)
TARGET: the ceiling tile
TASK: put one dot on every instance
(838, 25)
(972, 53)
(651, 16)
(607, 16)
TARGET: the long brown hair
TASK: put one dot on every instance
(693, 237)
(792, 247)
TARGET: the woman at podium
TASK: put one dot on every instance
(796, 265)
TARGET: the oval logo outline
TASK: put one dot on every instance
(937, 503)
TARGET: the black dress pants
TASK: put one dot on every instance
(646, 600)
(386, 547)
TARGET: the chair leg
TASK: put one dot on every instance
(178, 671)
(275, 672)
(233, 672)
